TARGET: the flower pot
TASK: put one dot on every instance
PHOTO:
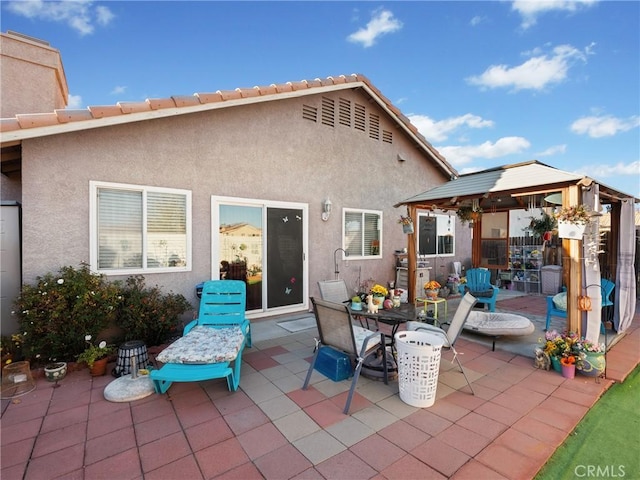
(592, 365)
(407, 228)
(55, 371)
(555, 363)
(573, 231)
(431, 293)
(99, 367)
(569, 371)
(356, 306)
(379, 300)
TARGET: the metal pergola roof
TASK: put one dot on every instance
(507, 187)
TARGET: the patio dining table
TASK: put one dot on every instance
(393, 317)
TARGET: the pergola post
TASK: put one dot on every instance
(412, 255)
(572, 266)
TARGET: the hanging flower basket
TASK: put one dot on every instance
(407, 228)
(573, 231)
(407, 223)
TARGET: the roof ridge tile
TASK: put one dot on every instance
(134, 107)
(33, 120)
(159, 103)
(73, 115)
(101, 111)
(185, 100)
(9, 124)
(207, 97)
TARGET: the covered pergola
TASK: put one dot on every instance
(531, 184)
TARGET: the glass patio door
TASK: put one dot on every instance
(262, 243)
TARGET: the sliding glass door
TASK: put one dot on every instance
(262, 243)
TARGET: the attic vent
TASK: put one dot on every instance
(387, 136)
(328, 111)
(374, 126)
(310, 113)
(344, 112)
(360, 118)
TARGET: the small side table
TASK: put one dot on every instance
(435, 302)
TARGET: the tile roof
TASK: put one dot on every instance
(24, 126)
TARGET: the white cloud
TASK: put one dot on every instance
(604, 126)
(104, 15)
(438, 131)
(535, 74)
(74, 101)
(79, 15)
(529, 10)
(462, 155)
(477, 20)
(617, 170)
(118, 90)
(382, 22)
(553, 150)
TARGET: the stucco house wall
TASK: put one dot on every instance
(264, 151)
(37, 69)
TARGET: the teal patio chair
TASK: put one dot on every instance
(212, 345)
(606, 286)
(479, 285)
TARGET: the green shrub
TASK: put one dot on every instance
(59, 310)
(149, 315)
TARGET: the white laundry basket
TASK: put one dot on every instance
(418, 366)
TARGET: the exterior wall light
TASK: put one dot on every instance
(326, 209)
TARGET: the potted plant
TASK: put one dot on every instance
(379, 293)
(592, 361)
(572, 221)
(96, 356)
(407, 224)
(468, 214)
(559, 345)
(539, 226)
(432, 288)
(568, 362)
(356, 303)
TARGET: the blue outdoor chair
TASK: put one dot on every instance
(479, 285)
(607, 287)
(212, 345)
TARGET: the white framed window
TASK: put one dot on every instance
(137, 229)
(436, 235)
(362, 233)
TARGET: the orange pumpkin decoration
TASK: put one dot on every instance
(584, 303)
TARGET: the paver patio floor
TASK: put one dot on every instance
(272, 429)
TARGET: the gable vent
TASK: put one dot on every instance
(328, 111)
(374, 126)
(344, 112)
(387, 136)
(360, 118)
(310, 113)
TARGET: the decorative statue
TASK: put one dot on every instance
(371, 307)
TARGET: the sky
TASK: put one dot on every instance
(486, 83)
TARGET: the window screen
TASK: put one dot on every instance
(140, 228)
(362, 234)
